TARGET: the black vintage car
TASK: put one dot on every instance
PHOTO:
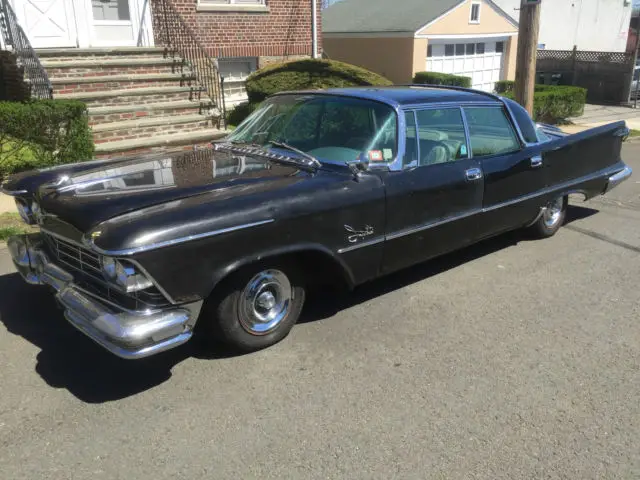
(336, 186)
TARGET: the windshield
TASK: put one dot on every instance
(332, 129)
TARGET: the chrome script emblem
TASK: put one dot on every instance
(358, 234)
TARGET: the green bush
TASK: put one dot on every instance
(556, 103)
(239, 113)
(435, 78)
(308, 74)
(504, 86)
(42, 133)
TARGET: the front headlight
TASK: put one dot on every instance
(25, 211)
(124, 275)
(36, 212)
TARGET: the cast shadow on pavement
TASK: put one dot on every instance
(67, 359)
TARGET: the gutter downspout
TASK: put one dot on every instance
(314, 28)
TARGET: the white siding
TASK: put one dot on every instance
(598, 25)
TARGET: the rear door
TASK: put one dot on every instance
(433, 201)
(514, 173)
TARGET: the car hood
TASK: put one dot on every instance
(91, 196)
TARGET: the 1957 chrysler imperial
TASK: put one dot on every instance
(341, 185)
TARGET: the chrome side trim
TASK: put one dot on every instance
(549, 190)
(368, 243)
(426, 226)
(154, 246)
(13, 193)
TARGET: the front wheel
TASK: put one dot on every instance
(552, 218)
(255, 308)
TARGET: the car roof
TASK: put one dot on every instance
(398, 96)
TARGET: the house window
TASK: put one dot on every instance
(449, 49)
(233, 5)
(474, 16)
(480, 48)
(235, 72)
(499, 47)
(471, 48)
(429, 51)
(459, 49)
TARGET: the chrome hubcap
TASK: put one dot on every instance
(265, 302)
(553, 212)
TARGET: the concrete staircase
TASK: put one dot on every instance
(139, 100)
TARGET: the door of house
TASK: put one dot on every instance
(47, 23)
(482, 59)
(83, 23)
(112, 23)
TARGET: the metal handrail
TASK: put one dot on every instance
(172, 32)
(16, 40)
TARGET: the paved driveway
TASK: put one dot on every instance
(511, 359)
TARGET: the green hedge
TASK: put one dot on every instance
(504, 86)
(239, 113)
(434, 78)
(43, 133)
(308, 74)
(555, 103)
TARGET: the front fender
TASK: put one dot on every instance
(335, 265)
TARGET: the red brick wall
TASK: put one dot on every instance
(283, 31)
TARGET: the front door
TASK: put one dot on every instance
(48, 23)
(433, 203)
(112, 23)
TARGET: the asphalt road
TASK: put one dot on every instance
(512, 359)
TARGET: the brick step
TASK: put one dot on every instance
(81, 68)
(115, 113)
(141, 126)
(107, 52)
(62, 85)
(159, 141)
(138, 96)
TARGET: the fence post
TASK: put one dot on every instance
(574, 65)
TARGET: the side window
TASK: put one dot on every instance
(490, 131)
(441, 136)
(411, 141)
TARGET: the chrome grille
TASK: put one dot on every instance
(76, 257)
(85, 266)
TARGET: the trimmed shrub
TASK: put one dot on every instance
(504, 86)
(240, 112)
(556, 103)
(308, 74)
(435, 78)
(42, 133)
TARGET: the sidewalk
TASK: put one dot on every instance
(596, 115)
(7, 204)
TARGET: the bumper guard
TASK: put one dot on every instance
(127, 334)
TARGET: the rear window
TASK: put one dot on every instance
(521, 116)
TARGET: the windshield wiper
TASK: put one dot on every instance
(314, 161)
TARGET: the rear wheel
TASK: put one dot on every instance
(255, 308)
(552, 218)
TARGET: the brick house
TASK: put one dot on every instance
(150, 70)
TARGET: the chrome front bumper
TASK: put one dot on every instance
(127, 334)
(617, 179)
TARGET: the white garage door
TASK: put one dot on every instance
(479, 59)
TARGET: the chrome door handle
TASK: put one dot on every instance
(473, 174)
(536, 162)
